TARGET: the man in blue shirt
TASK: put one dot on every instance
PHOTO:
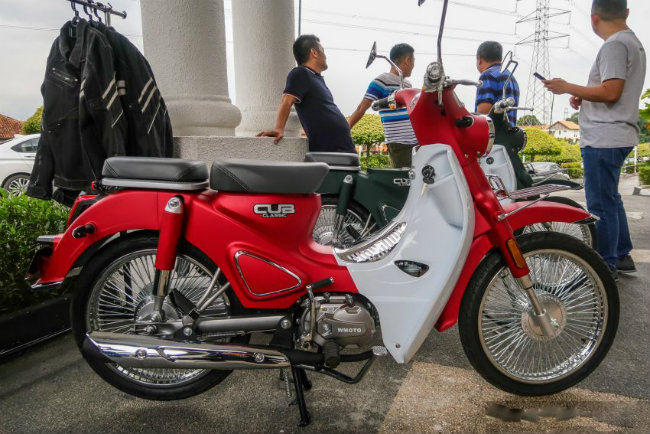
(398, 131)
(326, 128)
(488, 63)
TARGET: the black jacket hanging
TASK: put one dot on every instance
(149, 130)
(83, 122)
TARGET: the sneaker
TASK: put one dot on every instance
(614, 274)
(626, 265)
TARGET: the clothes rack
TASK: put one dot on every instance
(107, 9)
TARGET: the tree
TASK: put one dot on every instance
(574, 117)
(368, 132)
(643, 150)
(645, 112)
(644, 130)
(541, 144)
(33, 124)
(644, 118)
(528, 120)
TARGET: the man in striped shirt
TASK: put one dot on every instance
(398, 131)
(488, 63)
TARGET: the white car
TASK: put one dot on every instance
(16, 162)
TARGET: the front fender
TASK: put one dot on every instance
(539, 212)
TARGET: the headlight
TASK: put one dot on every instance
(491, 135)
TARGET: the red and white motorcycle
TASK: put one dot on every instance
(176, 268)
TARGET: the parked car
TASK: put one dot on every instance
(543, 170)
(16, 162)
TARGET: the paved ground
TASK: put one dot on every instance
(51, 389)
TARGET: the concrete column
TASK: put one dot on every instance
(185, 43)
(263, 35)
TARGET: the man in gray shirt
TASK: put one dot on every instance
(609, 113)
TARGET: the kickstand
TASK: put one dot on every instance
(301, 383)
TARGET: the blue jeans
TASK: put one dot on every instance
(602, 171)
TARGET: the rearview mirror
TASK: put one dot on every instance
(505, 62)
(373, 54)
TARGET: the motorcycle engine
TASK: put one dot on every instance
(339, 318)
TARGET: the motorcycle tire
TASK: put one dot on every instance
(585, 232)
(356, 215)
(149, 383)
(573, 284)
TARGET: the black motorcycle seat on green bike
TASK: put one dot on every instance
(261, 176)
(333, 158)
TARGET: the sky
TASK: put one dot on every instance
(347, 29)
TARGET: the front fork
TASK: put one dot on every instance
(520, 271)
(502, 235)
(170, 233)
(345, 193)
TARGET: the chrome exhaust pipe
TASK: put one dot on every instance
(137, 351)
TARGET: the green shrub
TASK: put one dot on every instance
(576, 172)
(22, 219)
(644, 175)
(33, 124)
(541, 144)
(368, 131)
(569, 153)
(375, 160)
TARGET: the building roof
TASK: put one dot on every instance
(9, 127)
(567, 124)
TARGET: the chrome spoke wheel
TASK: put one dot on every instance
(576, 300)
(324, 228)
(122, 296)
(579, 231)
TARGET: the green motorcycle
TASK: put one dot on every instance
(357, 203)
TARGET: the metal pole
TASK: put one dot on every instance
(299, 17)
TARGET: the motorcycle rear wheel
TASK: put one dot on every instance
(112, 291)
(502, 343)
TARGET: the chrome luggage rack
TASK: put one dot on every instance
(541, 191)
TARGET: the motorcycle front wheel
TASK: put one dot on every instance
(114, 291)
(503, 342)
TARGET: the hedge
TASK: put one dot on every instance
(644, 175)
(574, 170)
(375, 160)
(22, 219)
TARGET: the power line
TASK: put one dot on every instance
(410, 23)
(383, 29)
(46, 29)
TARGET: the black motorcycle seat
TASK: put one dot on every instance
(333, 158)
(259, 176)
(155, 169)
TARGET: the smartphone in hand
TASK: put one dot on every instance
(538, 76)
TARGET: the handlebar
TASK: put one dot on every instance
(384, 103)
(450, 82)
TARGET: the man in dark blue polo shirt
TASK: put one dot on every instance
(488, 62)
(326, 128)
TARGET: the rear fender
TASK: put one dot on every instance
(539, 212)
(119, 212)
